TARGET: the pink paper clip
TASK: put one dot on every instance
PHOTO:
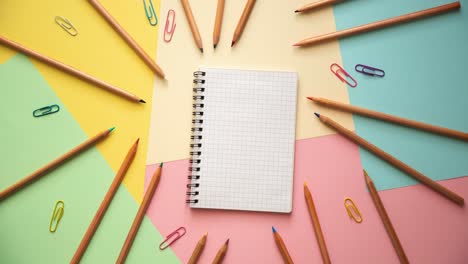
(168, 33)
(338, 71)
(179, 232)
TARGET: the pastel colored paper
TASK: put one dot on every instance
(265, 45)
(431, 228)
(80, 182)
(97, 50)
(425, 81)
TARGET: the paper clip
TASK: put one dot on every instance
(338, 71)
(46, 110)
(167, 32)
(66, 25)
(56, 215)
(350, 208)
(151, 13)
(167, 242)
(368, 70)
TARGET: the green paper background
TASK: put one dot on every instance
(28, 143)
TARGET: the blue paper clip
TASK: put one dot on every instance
(151, 13)
(46, 110)
(368, 70)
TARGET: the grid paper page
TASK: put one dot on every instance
(247, 152)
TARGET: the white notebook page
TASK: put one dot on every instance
(247, 152)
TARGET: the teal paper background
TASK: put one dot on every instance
(425, 64)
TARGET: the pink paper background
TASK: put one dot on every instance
(431, 229)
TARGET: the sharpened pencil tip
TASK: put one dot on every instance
(160, 165)
(311, 98)
(296, 11)
(317, 114)
(142, 101)
(214, 46)
(111, 129)
(138, 140)
(201, 49)
(232, 43)
(227, 242)
(273, 229)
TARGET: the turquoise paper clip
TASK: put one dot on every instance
(151, 13)
(46, 110)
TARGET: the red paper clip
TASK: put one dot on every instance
(338, 71)
(166, 243)
(169, 32)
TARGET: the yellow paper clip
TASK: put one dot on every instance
(66, 25)
(56, 215)
(352, 210)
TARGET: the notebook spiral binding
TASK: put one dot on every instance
(196, 137)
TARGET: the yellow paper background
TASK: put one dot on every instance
(99, 51)
(265, 44)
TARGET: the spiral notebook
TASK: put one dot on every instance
(242, 142)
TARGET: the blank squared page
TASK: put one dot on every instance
(247, 152)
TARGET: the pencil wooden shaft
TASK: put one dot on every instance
(243, 20)
(139, 216)
(317, 227)
(395, 162)
(130, 41)
(197, 251)
(68, 69)
(218, 22)
(105, 204)
(282, 248)
(317, 4)
(53, 164)
(192, 23)
(220, 255)
(393, 119)
(386, 221)
(380, 24)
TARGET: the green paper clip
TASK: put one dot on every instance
(46, 110)
(56, 215)
(151, 13)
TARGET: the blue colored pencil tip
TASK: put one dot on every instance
(317, 114)
(273, 229)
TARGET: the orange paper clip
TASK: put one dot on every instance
(343, 75)
(169, 28)
(178, 233)
(352, 210)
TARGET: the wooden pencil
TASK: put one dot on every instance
(393, 161)
(221, 253)
(54, 164)
(316, 5)
(192, 24)
(218, 22)
(385, 219)
(282, 247)
(316, 225)
(140, 214)
(125, 36)
(243, 21)
(390, 118)
(198, 250)
(105, 203)
(379, 24)
(70, 70)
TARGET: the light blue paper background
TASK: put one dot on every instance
(425, 64)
